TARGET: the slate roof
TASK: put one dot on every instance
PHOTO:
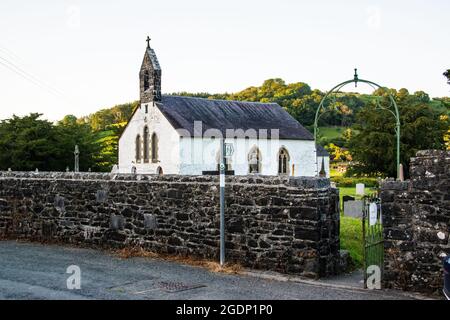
(182, 112)
(321, 151)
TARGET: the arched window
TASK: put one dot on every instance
(154, 147)
(283, 161)
(254, 161)
(146, 80)
(138, 149)
(159, 171)
(146, 145)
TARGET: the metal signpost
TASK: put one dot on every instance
(226, 150)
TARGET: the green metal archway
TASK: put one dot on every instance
(355, 80)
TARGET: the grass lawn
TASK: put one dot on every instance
(335, 173)
(351, 229)
(351, 191)
(352, 239)
(331, 132)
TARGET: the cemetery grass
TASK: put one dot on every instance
(351, 239)
(351, 230)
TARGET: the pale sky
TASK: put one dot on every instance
(78, 56)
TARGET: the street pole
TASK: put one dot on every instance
(222, 202)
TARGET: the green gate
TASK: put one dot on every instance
(373, 243)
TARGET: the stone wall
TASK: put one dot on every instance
(416, 219)
(287, 225)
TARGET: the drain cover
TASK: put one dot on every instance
(148, 286)
(172, 287)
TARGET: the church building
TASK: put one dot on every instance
(170, 134)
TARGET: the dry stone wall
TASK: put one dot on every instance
(416, 220)
(284, 224)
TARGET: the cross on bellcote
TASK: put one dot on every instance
(148, 42)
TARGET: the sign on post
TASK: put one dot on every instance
(226, 151)
(373, 214)
(229, 150)
(222, 168)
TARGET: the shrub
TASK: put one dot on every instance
(351, 182)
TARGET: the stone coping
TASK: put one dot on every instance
(299, 182)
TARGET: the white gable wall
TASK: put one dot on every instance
(168, 143)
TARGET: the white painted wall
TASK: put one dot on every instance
(198, 155)
(327, 165)
(168, 143)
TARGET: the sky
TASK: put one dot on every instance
(60, 57)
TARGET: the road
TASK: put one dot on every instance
(35, 271)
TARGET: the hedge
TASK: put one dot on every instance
(351, 182)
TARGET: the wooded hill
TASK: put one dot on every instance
(350, 121)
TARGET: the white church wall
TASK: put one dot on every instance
(198, 155)
(326, 163)
(168, 143)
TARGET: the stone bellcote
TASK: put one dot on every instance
(150, 77)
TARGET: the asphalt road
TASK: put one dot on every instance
(34, 271)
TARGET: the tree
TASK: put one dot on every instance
(71, 132)
(374, 147)
(447, 75)
(28, 143)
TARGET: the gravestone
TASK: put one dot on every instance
(347, 198)
(353, 208)
(360, 189)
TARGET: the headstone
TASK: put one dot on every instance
(360, 189)
(353, 208)
(348, 198)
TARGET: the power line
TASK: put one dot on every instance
(28, 76)
(24, 76)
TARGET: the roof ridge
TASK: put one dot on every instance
(238, 101)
